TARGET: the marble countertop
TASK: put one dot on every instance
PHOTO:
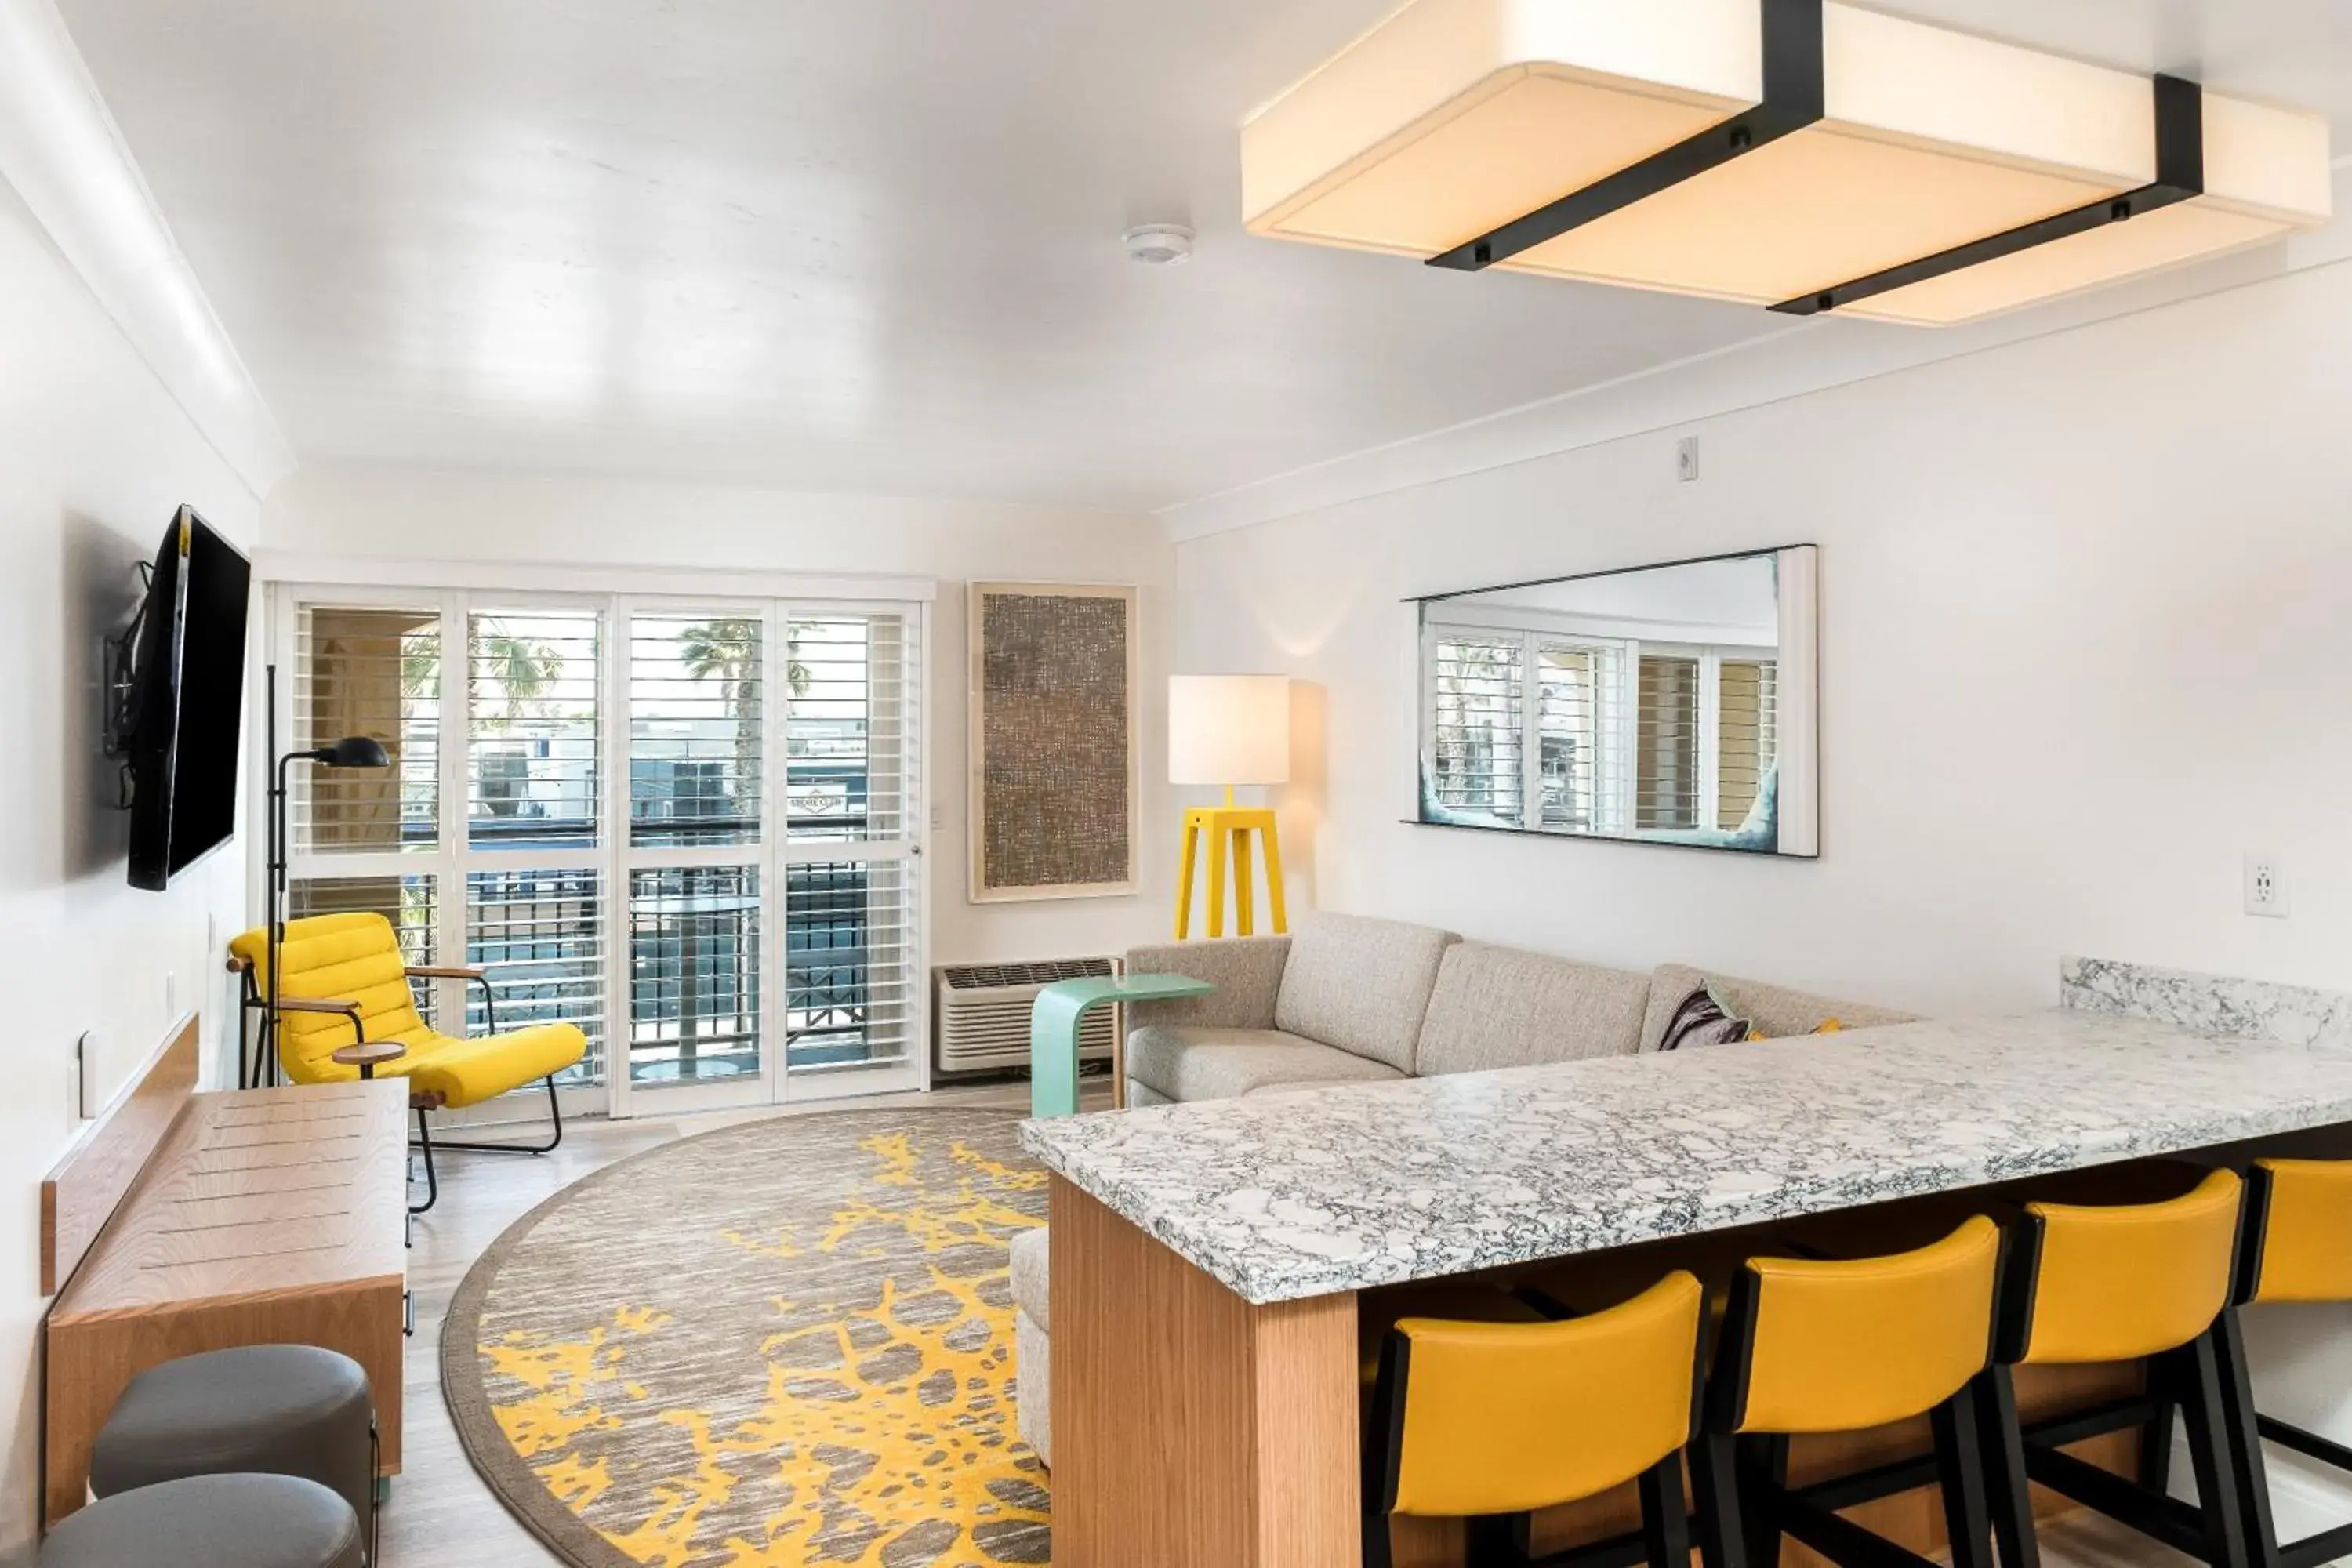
(1283, 1196)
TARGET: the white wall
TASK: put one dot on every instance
(94, 457)
(459, 517)
(2084, 642)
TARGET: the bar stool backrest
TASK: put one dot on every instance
(2297, 1243)
(1497, 1418)
(1816, 1346)
(2116, 1282)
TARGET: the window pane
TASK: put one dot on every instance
(1750, 737)
(1476, 739)
(1665, 749)
(849, 742)
(408, 902)
(1576, 705)
(694, 730)
(848, 940)
(531, 703)
(374, 672)
(694, 974)
(540, 934)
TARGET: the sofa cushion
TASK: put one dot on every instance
(1360, 984)
(1032, 1274)
(1221, 1063)
(1500, 1007)
(1776, 1011)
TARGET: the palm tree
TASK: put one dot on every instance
(729, 651)
(522, 669)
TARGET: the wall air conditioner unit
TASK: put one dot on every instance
(982, 1022)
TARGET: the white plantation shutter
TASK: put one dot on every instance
(852, 905)
(1748, 735)
(1667, 742)
(1479, 719)
(696, 729)
(693, 831)
(532, 746)
(1578, 702)
(373, 671)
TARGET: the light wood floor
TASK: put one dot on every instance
(441, 1515)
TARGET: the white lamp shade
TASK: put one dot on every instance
(1228, 728)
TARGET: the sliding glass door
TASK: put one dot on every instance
(694, 829)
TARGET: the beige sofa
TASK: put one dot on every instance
(1349, 1000)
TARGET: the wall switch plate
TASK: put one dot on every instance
(1686, 459)
(87, 1050)
(2266, 886)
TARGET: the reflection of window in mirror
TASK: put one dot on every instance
(1645, 704)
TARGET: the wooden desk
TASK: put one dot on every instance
(265, 1216)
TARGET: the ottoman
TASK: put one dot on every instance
(287, 1410)
(212, 1522)
(1031, 1347)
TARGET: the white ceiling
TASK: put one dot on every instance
(873, 245)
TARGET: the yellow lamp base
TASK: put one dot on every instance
(1227, 829)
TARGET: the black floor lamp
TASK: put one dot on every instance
(350, 752)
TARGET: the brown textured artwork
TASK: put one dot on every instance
(1054, 721)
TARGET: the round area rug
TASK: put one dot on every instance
(787, 1343)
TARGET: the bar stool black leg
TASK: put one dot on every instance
(1765, 1458)
(2156, 1433)
(2208, 1451)
(1716, 1487)
(1959, 1465)
(2009, 1494)
(1665, 1528)
(2243, 1426)
(1376, 1541)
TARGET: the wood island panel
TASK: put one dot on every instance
(266, 1217)
(1192, 1429)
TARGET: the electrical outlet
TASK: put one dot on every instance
(1686, 459)
(2266, 886)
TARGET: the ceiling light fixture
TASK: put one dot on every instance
(1801, 154)
(1159, 244)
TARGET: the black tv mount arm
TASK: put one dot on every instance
(120, 689)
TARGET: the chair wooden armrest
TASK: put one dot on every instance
(444, 972)
(238, 965)
(318, 1005)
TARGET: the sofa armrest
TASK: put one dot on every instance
(1246, 971)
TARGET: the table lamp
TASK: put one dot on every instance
(1229, 730)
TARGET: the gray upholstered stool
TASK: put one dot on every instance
(287, 1410)
(212, 1522)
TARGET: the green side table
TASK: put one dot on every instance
(1054, 1022)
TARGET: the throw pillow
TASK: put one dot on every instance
(1702, 1021)
(1826, 1026)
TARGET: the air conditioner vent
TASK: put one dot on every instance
(983, 1013)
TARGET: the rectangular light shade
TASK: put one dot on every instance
(1228, 728)
(1455, 117)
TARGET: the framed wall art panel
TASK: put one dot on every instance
(1054, 784)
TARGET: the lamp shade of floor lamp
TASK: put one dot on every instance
(1229, 730)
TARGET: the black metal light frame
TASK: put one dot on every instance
(1796, 97)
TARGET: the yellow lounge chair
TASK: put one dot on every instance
(345, 983)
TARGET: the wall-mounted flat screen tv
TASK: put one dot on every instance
(187, 698)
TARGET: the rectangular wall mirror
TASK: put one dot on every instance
(1669, 704)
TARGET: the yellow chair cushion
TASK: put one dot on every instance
(1840, 1345)
(2306, 1240)
(1502, 1418)
(357, 958)
(2115, 1282)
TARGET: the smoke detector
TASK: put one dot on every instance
(1159, 244)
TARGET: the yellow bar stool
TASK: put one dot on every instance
(1491, 1421)
(1819, 1345)
(2295, 1245)
(2114, 1282)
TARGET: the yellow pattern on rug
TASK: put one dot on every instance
(881, 1431)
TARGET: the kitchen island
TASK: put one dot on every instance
(1207, 1258)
